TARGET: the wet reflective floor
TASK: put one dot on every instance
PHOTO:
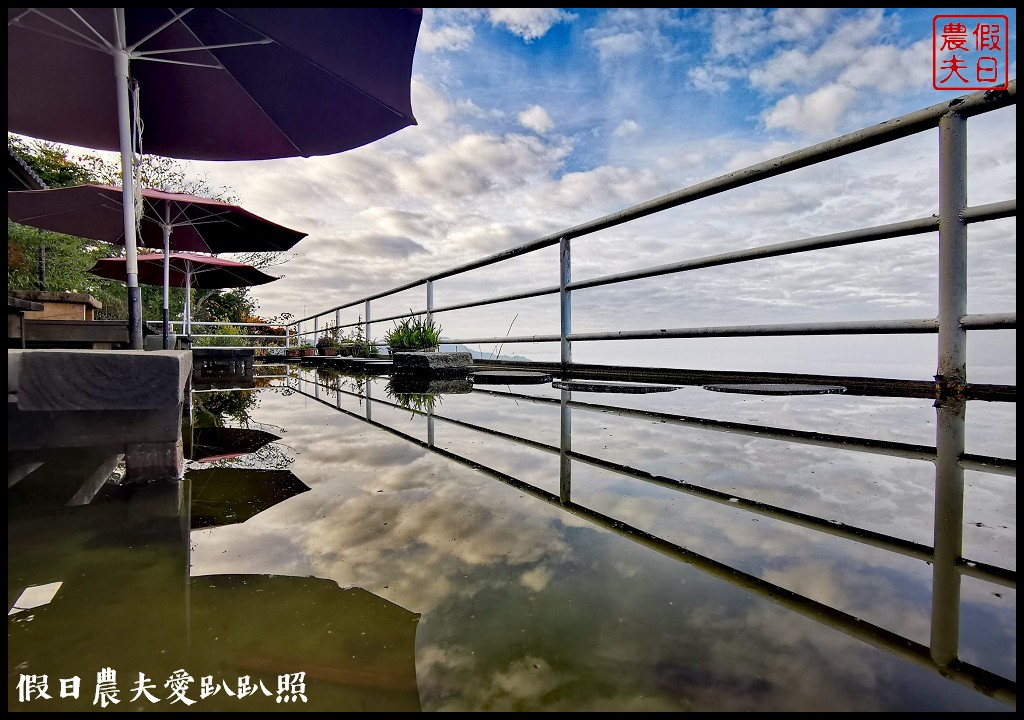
(527, 548)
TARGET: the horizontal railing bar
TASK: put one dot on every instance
(872, 136)
(917, 551)
(553, 290)
(881, 232)
(238, 324)
(992, 211)
(990, 321)
(851, 237)
(995, 466)
(977, 678)
(241, 337)
(853, 327)
(869, 537)
(230, 347)
(855, 385)
(909, 451)
(506, 340)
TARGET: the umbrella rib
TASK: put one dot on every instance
(103, 45)
(160, 29)
(316, 65)
(145, 54)
(256, 104)
(218, 66)
(148, 54)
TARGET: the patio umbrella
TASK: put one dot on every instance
(185, 270)
(219, 84)
(173, 221)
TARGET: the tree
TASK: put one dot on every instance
(50, 162)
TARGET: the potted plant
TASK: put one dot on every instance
(307, 350)
(358, 345)
(416, 333)
(327, 343)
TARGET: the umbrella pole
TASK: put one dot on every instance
(127, 181)
(188, 302)
(167, 275)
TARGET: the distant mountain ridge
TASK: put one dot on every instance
(480, 355)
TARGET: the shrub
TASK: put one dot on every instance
(414, 333)
(328, 339)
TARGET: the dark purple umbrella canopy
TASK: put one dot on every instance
(184, 270)
(187, 270)
(208, 84)
(196, 224)
(173, 221)
(286, 82)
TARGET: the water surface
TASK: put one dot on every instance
(522, 548)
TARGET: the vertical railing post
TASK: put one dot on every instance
(430, 299)
(287, 337)
(952, 362)
(565, 447)
(366, 323)
(337, 325)
(564, 278)
(316, 329)
(948, 528)
(369, 396)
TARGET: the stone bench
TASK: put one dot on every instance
(449, 364)
(127, 400)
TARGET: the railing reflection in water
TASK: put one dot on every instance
(940, 655)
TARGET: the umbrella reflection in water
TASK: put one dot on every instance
(228, 495)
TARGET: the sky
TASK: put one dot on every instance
(535, 120)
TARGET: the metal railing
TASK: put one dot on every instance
(950, 221)
(270, 341)
(945, 557)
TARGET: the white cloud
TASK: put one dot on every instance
(599, 191)
(627, 127)
(798, 23)
(739, 32)
(890, 69)
(529, 23)
(447, 29)
(713, 77)
(814, 114)
(844, 47)
(619, 45)
(644, 33)
(536, 118)
(476, 164)
(448, 37)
